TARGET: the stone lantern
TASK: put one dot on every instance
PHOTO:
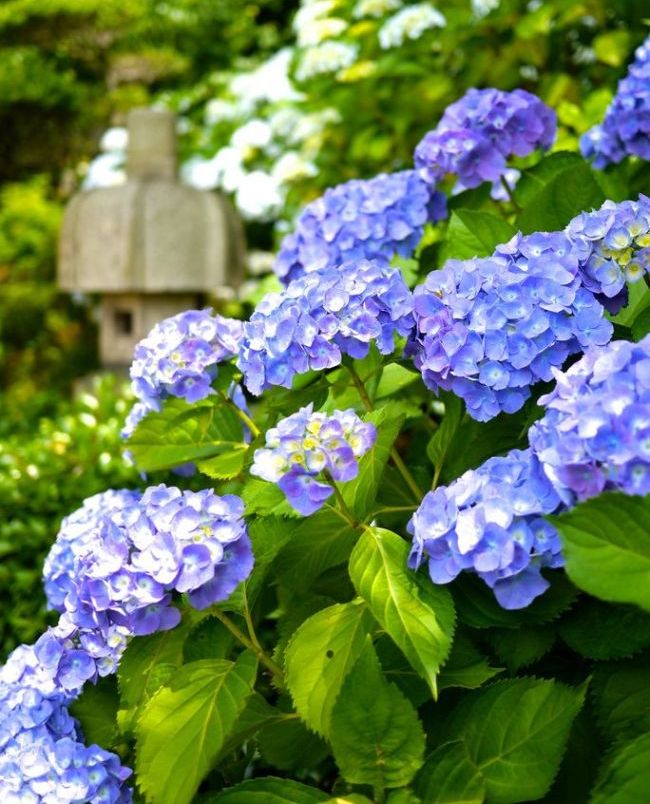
(151, 246)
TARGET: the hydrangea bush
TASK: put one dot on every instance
(412, 565)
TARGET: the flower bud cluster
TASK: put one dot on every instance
(477, 134)
(362, 219)
(625, 131)
(322, 316)
(595, 433)
(307, 450)
(42, 754)
(179, 358)
(489, 522)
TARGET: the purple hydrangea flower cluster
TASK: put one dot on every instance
(478, 133)
(595, 433)
(362, 219)
(489, 522)
(625, 131)
(179, 358)
(42, 754)
(117, 561)
(321, 316)
(490, 328)
(307, 450)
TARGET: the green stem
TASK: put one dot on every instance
(394, 454)
(343, 507)
(509, 192)
(257, 649)
(378, 794)
(243, 416)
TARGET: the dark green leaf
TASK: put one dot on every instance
(444, 435)
(319, 657)
(208, 640)
(606, 544)
(416, 614)
(604, 631)
(181, 433)
(269, 791)
(625, 778)
(475, 233)
(537, 177)
(620, 695)
(375, 734)
(96, 710)
(184, 726)
(522, 646)
(641, 325)
(466, 666)
(450, 777)
(288, 745)
(515, 733)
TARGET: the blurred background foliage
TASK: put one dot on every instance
(277, 99)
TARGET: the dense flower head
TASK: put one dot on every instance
(615, 240)
(595, 433)
(307, 450)
(322, 316)
(360, 219)
(478, 133)
(625, 131)
(179, 358)
(42, 754)
(118, 560)
(489, 522)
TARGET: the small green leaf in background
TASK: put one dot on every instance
(520, 647)
(96, 710)
(443, 437)
(181, 433)
(466, 666)
(449, 776)
(266, 499)
(207, 640)
(183, 727)
(625, 778)
(269, 791)
(606, 543)
(515, 733)
(416, 614)
(474, 233)
(376, 735)
(288, 745)
(641, 325)
(319, 657)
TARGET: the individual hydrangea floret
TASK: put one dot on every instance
(320, 317)
(117, 562)
(361, 219)
(306, 451)
(478, 133)
(179, 358)
(490, 328)
(625, 131)
(42, 755)
(489, 522)
(595, 433)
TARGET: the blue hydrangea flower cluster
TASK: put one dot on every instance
(179, 358)
(321, 316)
(488, 329)
(42, 754)
(307, 450)
(625, 131)
(362, 219)
(477, 134)
(489, 522)
(595, 433)
(616, 243)
(117, 561)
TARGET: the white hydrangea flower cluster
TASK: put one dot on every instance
(409, 23)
